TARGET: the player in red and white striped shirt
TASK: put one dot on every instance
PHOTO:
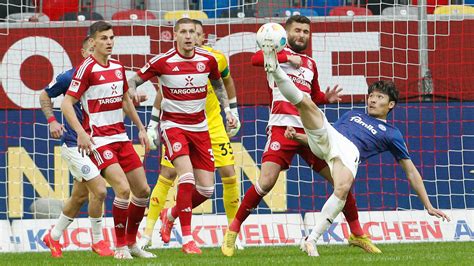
(279, 151)
(183, 74)
(100, 84)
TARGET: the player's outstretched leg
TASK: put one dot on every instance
(269, 55)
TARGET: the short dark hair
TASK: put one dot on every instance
(85, 40)
(298, 19)
(197, 22)
(386, 87)
(183, 21)
(98, 26)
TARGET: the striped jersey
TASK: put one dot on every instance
(283, 113)
(183, 84)
(100, 89)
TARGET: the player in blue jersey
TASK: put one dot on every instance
(85, 173)
(355, 136)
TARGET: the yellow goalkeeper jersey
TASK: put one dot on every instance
(213, 109)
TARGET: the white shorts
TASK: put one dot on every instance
(82, 168)
(327, 143)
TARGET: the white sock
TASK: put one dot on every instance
(287, 87)
(170, 217)
(96, 225)
(331, 209)
(187, 239)
(61, 225)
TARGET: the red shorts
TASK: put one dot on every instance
(197, 145)
(122, 153)
(281, 150)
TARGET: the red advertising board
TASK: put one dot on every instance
(347, 52)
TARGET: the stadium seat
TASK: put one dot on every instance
(27, 16)
(454, 10)
(88, 15)
(401, 11)
(177, 14)
(216, 8)
(432, 4)
(56, 9)
(350, 11)
(469, 2)
(322, 7)
(287, 12)
(133, 14)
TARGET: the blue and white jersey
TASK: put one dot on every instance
(371, 135)
(61, 86)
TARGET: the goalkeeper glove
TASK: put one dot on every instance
(153, 129)
(235, 112)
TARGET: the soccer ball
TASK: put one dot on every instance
(273, 31)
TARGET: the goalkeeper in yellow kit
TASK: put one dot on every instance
(221, 147)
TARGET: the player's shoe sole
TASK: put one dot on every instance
(269, 55)
(364, 243)
(228, 246)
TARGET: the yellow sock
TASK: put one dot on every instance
(231, 196)
(157, 202)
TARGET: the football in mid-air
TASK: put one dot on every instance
(274, 32)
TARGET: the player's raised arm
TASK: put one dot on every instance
(257, 58)
(417, 183)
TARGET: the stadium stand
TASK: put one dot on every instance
(454, 10)
(350, 11)
(132, 15)
(177, 14)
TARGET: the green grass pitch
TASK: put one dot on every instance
(450, 253)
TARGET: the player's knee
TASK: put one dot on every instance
(100, 194)
(122, 191)
(341, 189)
(144, 192)
(266, 182)
(80, 198)
(227, 170)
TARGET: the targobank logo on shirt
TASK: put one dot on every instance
(110, 100)
(359, 121)
(189, 90)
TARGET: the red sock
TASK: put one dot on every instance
(120, 213)
(198, 198)
(136, 209)
(184, 207)
(352, 215)
(250, 201)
